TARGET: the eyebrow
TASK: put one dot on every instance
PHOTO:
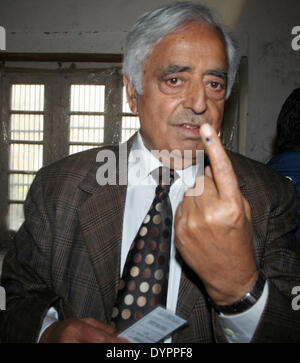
(174, 68)
(218, 73)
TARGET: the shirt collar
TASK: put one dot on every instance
(142, 162)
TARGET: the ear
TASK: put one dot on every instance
(131, 95)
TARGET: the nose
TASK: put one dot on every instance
(195, 98)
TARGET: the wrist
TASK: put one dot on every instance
(246, 302)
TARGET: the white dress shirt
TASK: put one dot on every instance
(140, 193)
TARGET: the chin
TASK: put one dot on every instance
(191, 146)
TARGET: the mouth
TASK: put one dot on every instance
(189, 129)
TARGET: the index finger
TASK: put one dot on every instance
(223, 173)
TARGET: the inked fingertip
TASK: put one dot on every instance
(206, 130)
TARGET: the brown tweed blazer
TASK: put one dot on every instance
(67, 253)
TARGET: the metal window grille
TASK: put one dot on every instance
(45, 116)
(25, 145)
(86, 117)
(130, 123)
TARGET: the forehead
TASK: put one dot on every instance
(193, 45)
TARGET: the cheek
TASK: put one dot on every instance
(217, 113)
(168, 108)
(160, 111)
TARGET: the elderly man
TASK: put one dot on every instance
(233, 254)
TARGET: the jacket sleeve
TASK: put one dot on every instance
(280, 263)
(26, 274)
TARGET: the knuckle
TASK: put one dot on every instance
(227, 214)
(234, 213)
(192, 224)
(209, 217)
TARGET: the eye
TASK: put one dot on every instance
(217, 85)
(174, 81)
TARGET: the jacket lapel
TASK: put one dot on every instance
(189, 293)
(101, 220)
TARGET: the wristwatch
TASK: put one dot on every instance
(246, 302)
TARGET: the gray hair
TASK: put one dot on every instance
(153, 26)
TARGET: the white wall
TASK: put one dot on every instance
(263, 28)
(274, 68)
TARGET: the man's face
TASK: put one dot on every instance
(184, 86)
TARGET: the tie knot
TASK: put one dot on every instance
(164, 176)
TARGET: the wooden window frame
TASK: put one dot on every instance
(56, 118)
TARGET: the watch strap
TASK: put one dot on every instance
(246, 302)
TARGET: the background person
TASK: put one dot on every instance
(287, 160)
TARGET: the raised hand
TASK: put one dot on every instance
(213, 229)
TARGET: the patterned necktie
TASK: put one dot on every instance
(144, 281)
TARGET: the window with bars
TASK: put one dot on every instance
(25, 145)
(130, 123)
(86, 117)
(51, 118)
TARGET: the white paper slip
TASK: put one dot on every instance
(153, 327)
